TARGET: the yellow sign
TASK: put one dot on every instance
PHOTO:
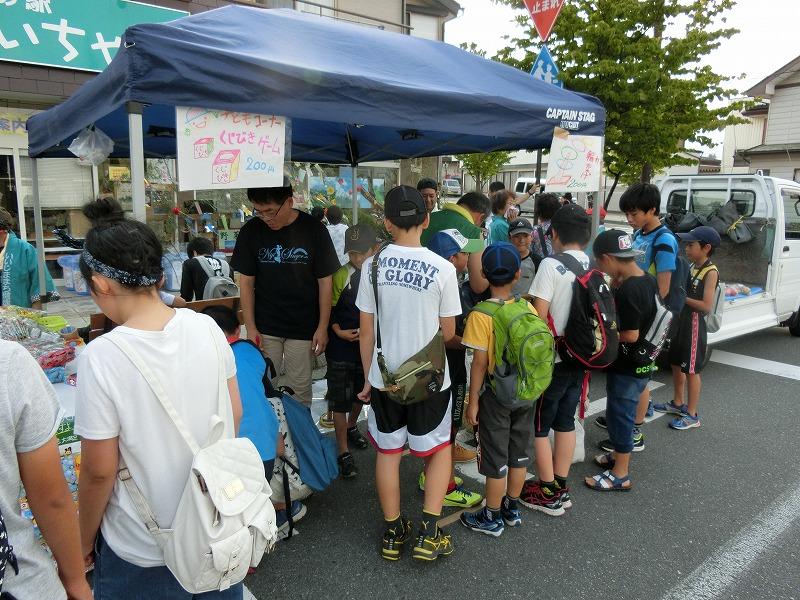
(13, 122)
(119, 173)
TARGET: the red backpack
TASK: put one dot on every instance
(591, 337)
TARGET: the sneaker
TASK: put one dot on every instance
(566, 499)
(638, 440)
(393, 540)
(355, 438)
(534, 498)
(685, 421)
(511, 516)
(432, 547)
(347, 465)
(421, 481)
(298, 512)
(649, 412)
(601, 422)
(670, 408)
(463, 455)
(326, 420)
(483, 522)
(462, 498)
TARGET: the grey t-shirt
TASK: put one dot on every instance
(29, 417)
(528, 271)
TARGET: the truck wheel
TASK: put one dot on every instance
(707, 358)
(794, 324)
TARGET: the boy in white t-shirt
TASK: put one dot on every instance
(417, 296)
(552, 292)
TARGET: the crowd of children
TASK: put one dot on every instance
(402, 320)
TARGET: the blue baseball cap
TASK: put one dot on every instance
(703, 234)
(449, 242)
(500, 262)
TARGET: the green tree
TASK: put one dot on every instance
(644, 60)
(483, 167)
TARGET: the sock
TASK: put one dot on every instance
(428, 523)
(561, 482)
(548, 487)
(394, 526)
(512, 503)
(493, 513)
(451, 486)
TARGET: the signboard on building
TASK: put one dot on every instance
(71, 34)
(544, 14)
(229, 150)
(575, 162)
(12, 122)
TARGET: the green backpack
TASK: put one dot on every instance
(524, 352)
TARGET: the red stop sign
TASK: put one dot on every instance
(544, 14)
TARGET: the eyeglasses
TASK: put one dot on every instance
(269, 214)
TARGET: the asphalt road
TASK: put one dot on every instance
(715, 513)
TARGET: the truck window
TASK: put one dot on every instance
(705, 202)
(791, 205)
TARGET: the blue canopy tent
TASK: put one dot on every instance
(353, 93)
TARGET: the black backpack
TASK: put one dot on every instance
(591, 337)
(7, 557)
(676, 298)
(543, 236)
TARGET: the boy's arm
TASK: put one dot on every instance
(448, 325)
(320, 339)
(480, 362)
(477, 281)
(630, 336)
(247, 300)
(366, 344)
(710, 286)
(542, 308)
(664, 279)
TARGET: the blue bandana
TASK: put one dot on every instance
(124, 277)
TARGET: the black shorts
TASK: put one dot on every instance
(504, 435)
(345, 381)
(689, 346)
(425, 426)
(556, 408)
(456, 363)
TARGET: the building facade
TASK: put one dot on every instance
(49, 48)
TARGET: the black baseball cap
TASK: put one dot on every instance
(615, 242)
(404, 201)
(570, 214)
(360, 238)
(520, 225)
(703, 234)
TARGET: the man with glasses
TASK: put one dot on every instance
(286, 260)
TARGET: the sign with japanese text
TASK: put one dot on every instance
(229, 150)
(71, 34)
(12, 122)
(544, 68)
(544, 14)
(575, 162)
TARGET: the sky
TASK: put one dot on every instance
(768, 38)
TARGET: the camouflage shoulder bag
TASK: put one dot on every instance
(419, 377)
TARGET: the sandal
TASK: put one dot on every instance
(607, 482)
(605, 460)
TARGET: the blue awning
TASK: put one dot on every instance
(353, 93)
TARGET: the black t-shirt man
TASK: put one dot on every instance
(287, 264)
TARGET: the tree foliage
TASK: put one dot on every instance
(484, 166)
(644, 60)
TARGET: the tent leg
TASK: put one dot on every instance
(39, 230)
(355, 196)
(135, 133)
(598, 202)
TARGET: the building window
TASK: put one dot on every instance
(424, 26)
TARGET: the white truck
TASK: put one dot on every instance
(766, 269)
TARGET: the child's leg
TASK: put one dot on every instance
(622, 461)
(495, 490)
(678, 384)
(544, 458)
(564, 428)
(355, 413)
(564, 451)
(340, 424)
(644, 402)
(624, 393)
(516, 479)
(437, 478)
(695, 386)
(387, 480)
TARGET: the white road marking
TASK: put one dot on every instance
(730, 562)
(751, 363)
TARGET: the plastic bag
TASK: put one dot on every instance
(92, 146)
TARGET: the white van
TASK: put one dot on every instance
(767, 268)
(451, 187)
(520, 189)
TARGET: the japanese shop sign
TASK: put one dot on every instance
(229, 150)
(575, 163)
(544, 14)
(13, 122)
(73, 34)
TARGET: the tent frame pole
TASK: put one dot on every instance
(39, 231)
(353, 169)
(597, 203)
(136, 149)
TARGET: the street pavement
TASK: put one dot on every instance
(714, 513)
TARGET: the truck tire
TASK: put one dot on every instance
(794, 324)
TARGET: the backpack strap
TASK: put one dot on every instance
(385, 375)
(208, 269)
(542, 240)
(572, 263)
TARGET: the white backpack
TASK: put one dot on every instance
(219, 284)
(225, 521)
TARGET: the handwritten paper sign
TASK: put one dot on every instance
(229, 150)
(575, 163)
